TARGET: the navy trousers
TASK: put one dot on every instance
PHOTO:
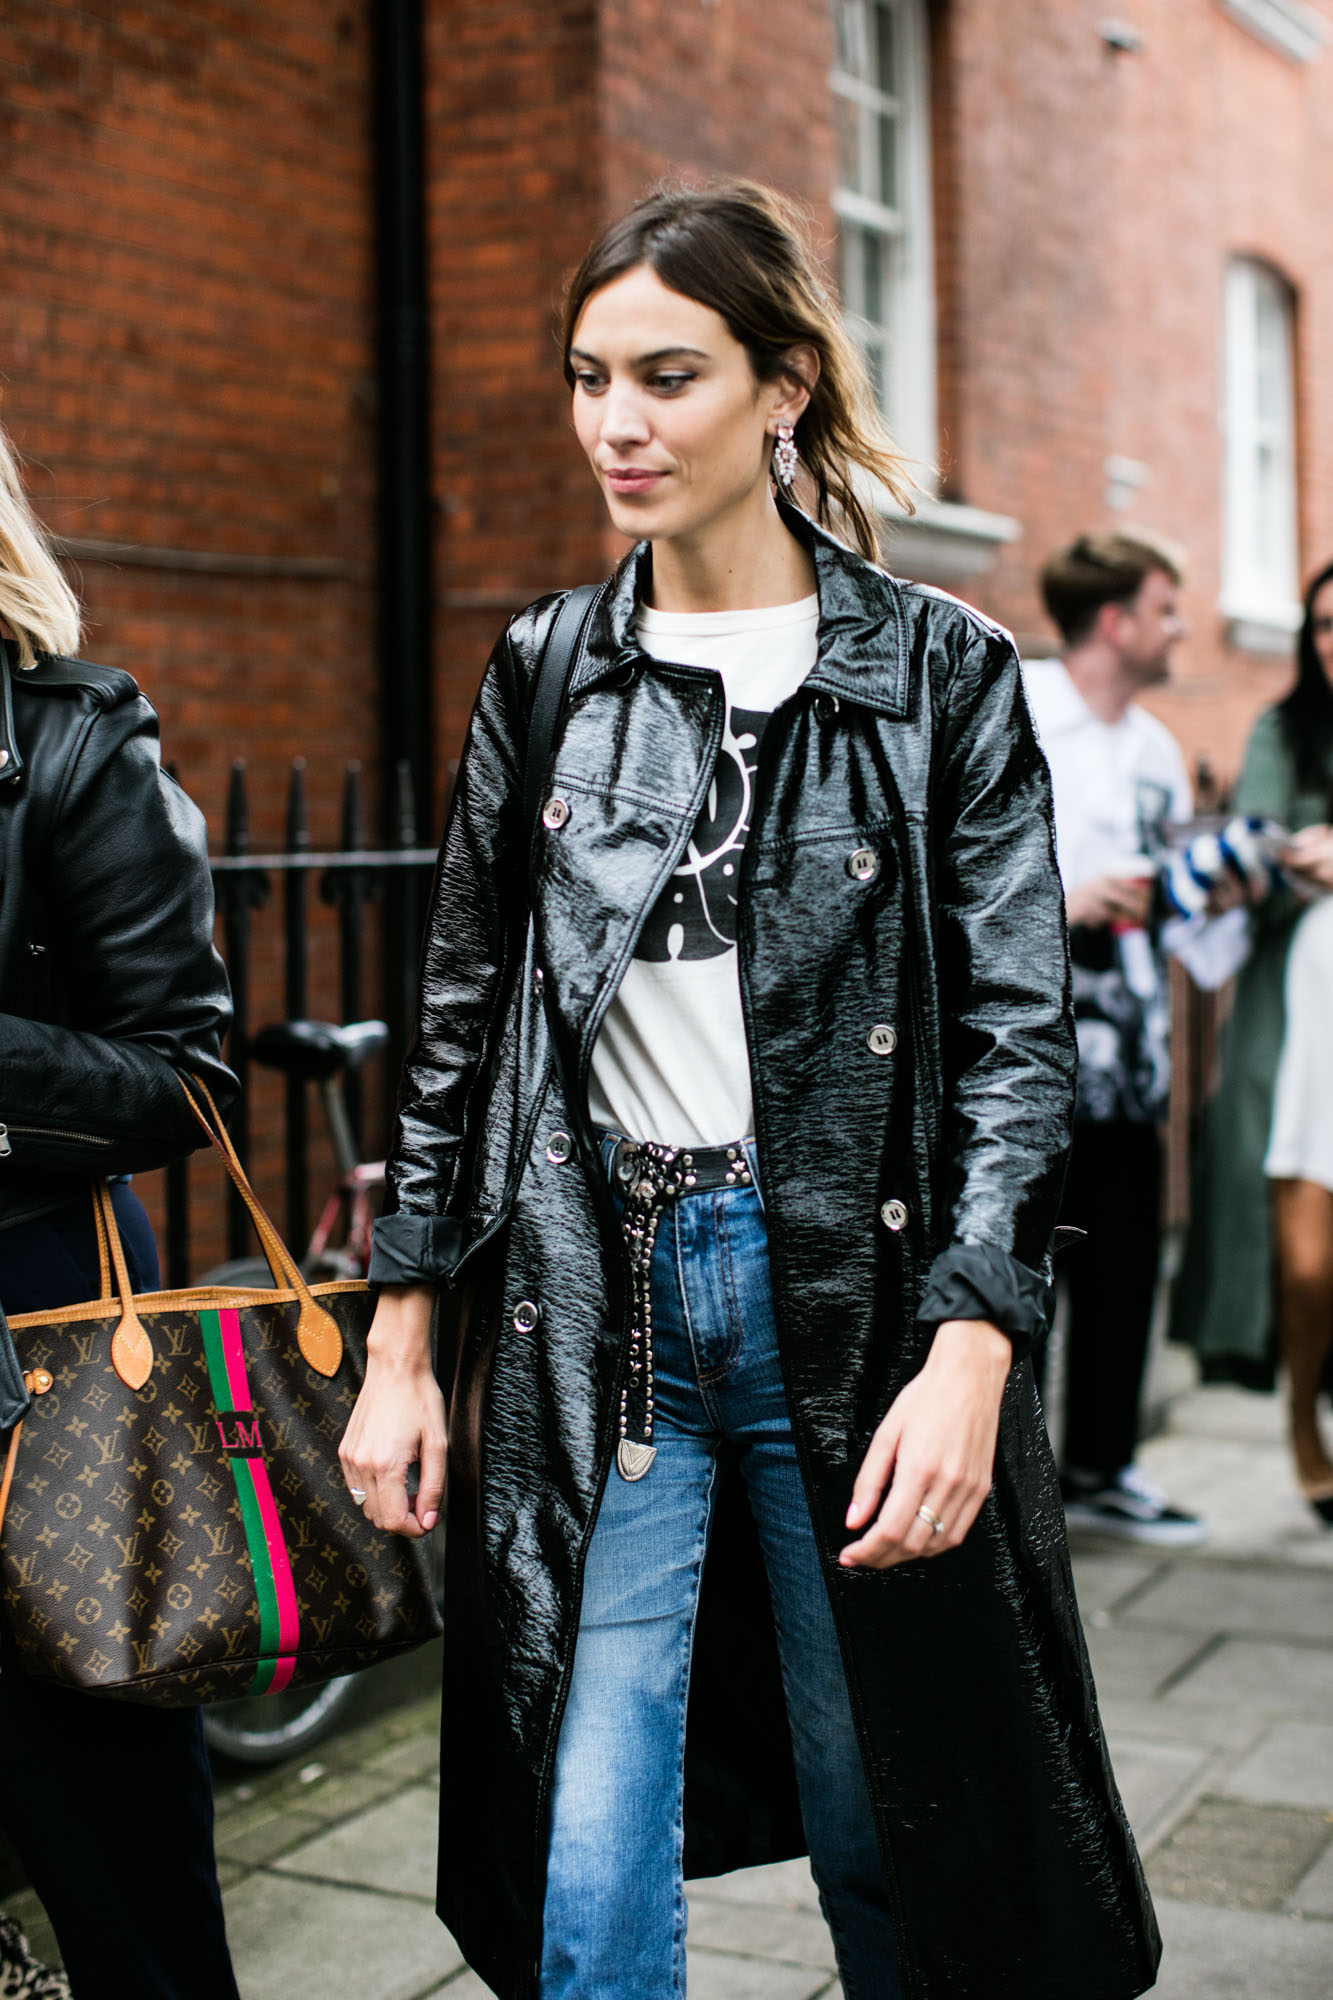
(109, 1804)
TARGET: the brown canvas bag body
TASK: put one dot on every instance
(176, 1528)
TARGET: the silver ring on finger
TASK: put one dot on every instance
(358, 1494)
(932, 1521)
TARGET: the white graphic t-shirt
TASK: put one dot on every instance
(671, 1061)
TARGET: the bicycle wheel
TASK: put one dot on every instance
(274, 1726)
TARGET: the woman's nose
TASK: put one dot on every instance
(623, 417)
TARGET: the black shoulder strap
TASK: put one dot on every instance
(553, 677)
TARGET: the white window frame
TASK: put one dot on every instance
(908, 329)
(1260, 552)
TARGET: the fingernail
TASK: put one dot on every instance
(428, 1520)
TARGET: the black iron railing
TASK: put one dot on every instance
(380, 896)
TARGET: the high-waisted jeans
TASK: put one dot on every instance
(615, 1913)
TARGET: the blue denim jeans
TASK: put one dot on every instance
(615, 1914)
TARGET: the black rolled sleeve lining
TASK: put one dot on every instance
(14, 1397)
(978, 1281)
(414, 1249)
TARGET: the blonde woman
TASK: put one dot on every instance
(109, 984)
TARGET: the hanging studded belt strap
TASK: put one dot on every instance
(651, 1177)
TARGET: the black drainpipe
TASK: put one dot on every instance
(405, 525)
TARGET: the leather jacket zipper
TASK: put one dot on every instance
(46, 1132)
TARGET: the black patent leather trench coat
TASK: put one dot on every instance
(1012, 1869)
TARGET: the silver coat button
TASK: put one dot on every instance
(894, 1215)
(558, 1148)
(826, 705)
(4, 759)
(882, 1039)
(526, 1315)
(554, 813)
(863, 864)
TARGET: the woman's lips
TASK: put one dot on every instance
(632, 479)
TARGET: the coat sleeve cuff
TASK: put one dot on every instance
(977, 1281)
(414, 1249)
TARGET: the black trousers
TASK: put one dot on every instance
(1114, 1192)
(109, 1804)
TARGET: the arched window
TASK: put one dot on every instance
(882, 201)
(1260, 562)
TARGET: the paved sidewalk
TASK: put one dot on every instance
(1216, 1676)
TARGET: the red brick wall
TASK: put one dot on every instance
(546, 120)
(185, 363)
(514, 174)
(1095, 199)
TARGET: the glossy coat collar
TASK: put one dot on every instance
(863, 650)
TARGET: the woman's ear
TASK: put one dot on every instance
(793, 384)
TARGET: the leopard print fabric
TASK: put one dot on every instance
(21, 1976)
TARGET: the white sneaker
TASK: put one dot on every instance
(1134, 1509)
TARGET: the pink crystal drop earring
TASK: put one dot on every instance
(785, 459)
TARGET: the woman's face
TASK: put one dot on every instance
(1321, 624)
(677, 430)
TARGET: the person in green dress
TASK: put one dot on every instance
(1225, 1299)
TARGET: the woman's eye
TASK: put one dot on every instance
(668, 383)
(590, 383)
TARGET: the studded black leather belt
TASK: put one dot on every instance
(696, 1170)
(650, 1179)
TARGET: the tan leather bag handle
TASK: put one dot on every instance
(317, 1333)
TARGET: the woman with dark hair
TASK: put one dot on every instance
(1226, 1296)
(737, 1117)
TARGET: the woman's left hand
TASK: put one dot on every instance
(934, 1452)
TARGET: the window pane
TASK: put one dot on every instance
(847, 138)
(872, 277)
(850, 23)
(873, 350)
(849, 267)
(886, 68)
(887, 135)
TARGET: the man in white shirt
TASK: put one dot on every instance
(1119, 783)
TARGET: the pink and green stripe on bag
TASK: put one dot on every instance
(279, 1613)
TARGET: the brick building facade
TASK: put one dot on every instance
(188, 333)
(1061, 230)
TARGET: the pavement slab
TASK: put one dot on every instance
(713, 1976)
(1267, 1678)
(1154, 1779)
(391, 1847)
(1313, 1894)
(297, 1940)
(1102, 1579)
(1234, 1598)
(1136, 1660)
(1237, 1855)
(788, 1937)
(1212, 1954)
(1292, 1764)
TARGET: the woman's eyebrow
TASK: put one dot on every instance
(643, 360)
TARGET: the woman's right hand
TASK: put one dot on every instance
(398, 1420)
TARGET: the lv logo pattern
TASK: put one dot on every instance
(193, 1541)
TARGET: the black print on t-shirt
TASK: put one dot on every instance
(695, 916)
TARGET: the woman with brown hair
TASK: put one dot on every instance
(737, 1119)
